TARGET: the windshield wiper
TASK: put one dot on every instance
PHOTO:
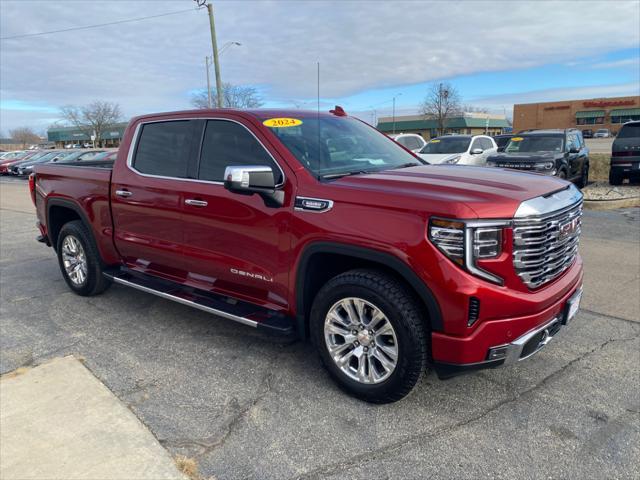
(405, 165)
(343, 174)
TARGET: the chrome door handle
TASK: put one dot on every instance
(196, 203)
(123, 193)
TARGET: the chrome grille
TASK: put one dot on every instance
(544, 247)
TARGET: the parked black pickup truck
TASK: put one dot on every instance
(562, 153)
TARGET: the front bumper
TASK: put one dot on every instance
(552, 321)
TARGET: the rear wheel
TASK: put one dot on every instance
(79, 260)
(370, 335)
(615, 177)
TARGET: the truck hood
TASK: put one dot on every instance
(455, 191)
(529, 157)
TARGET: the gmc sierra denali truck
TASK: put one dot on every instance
(317, 225)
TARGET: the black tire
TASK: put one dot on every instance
(615, 178)
(562, 173)
(94, 282)
(584, 176)
(403, 313)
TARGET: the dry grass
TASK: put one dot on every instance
(599, 166)
(188, 466)
(15, 373)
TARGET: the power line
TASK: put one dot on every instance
(128, 20)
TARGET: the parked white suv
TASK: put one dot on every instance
(459, 149)
(602, 133)
(410, 141)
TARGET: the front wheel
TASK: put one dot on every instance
(584, 176)
(79, 260)
(370, 335)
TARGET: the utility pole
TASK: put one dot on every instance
(206, 62)
(216, 64)
(394, 112)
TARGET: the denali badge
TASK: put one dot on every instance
(257, 276)
(313, 204)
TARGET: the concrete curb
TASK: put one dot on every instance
(612, 204)
(58, 421)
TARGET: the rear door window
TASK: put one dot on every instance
(163, 148)
(412, 143)
(229, 144)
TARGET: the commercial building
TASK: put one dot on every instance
(468, 123)
(592, 114)
(63, 136)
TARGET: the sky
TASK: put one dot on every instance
(494, 53)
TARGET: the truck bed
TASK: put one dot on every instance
(83, 187)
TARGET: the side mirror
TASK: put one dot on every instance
(500, 149)
(574, 150)
(476, 151)
(250, 179)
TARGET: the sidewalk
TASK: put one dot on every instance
(57, 421)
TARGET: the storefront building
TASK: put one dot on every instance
(468, 124)
(63, 136)
(592, 114)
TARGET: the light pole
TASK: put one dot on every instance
(227, 45)
(394, 112)
(207, 63)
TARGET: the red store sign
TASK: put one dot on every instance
(609, 103)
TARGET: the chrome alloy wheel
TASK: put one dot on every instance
(361, 340)
(74, 260)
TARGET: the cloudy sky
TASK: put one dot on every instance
(496, 53)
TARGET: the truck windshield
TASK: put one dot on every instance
(336, 146)
(536, 143)
(447, 145)
(630, 130)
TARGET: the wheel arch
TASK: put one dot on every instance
(321, 261)
(59, 212)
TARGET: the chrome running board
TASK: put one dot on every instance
(225, 307)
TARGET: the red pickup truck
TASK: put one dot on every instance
(317, 225)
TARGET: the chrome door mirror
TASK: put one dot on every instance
(476, 151)
(250, 179)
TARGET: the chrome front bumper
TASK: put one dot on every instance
(535, 340)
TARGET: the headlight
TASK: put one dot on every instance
(465, 243)
(451, 160)
(544, 165)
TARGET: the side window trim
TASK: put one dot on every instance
(200, 148)
(133, 148)
(136, 139)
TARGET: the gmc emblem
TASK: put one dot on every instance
(569, 228)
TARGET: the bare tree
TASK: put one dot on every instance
(441, 103)
(473, 109)
(24, 135)
(95, 118)
(233, 96)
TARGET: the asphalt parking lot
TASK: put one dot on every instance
(246, 405)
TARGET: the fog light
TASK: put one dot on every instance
(498, 353)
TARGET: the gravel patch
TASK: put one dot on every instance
(604, 191)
